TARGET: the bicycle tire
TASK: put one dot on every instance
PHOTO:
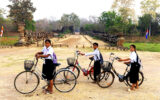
(141, 80)
(17, 86)
(106, 75)
(76, 70)
(64, 81)
(91, 74)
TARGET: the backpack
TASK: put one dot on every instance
(138, 60)
(54, 58)
(101, 58)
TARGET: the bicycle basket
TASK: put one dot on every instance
(106, 66)
(28, 64)
(71, 61)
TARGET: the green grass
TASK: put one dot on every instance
(153, 47)
(8, 40)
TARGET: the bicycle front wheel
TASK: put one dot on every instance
(26, 82)
(65, 82)
(75, 70)
(106, 79)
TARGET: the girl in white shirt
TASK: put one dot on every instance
(133, 60)
(48, 66)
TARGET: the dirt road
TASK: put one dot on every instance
(11, 64)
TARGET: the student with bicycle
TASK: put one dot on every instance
(48, 66)
(97, 60)
(135, 67)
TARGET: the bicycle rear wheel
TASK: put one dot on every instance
(65, 82)
(75, 70)
(107, 79)
(141, 79)
(26, 82)
(91, 74)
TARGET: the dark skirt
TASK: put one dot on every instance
(97, 69)
(134, 73)
(48, 69)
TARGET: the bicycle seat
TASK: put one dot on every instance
(57, 64)
(128, 64)
(91, 58)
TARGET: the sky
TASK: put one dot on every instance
(54, 9)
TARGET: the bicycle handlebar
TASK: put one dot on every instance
(114, 58)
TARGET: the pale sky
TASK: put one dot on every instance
(83, 8)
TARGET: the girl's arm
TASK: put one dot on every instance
(43, 56)
(38, 53)
(128, 59)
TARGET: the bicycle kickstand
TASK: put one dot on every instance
(44, 87)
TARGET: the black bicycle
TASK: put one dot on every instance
(109, 72)
(27, 81)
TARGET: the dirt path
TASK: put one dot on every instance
(11, 64)
(75, 40)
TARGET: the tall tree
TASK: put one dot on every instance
(150, 7)
(21, 10)
(144, 23)
(112, 21)
(68, 20)
(125, 8)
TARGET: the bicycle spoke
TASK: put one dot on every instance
(26, 82)
(63, 81)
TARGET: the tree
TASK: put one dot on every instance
(30, 25)
(68, 20)
(144, 23)
(2, 11)
(45, 25)
(125, 9)
(21, 11)
(112, 21)
(150, 7)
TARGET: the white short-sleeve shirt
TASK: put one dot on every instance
(47, 51)
(133, 57)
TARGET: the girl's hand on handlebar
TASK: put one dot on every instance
(120, 60)
(126, 62)
(79, 52)
(37, 56)
(82, 54)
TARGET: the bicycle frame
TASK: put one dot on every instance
(79, 66)
(121, 77)
(37, 71)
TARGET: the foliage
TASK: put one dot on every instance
(30, 25)
(124, 8)
(150, 7)
(68, 20)
(8, 40)
(148, 22)
(112, 21)
(21, 10)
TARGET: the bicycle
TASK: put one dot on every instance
(27, 81)
(110, 73)
(75, 67)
